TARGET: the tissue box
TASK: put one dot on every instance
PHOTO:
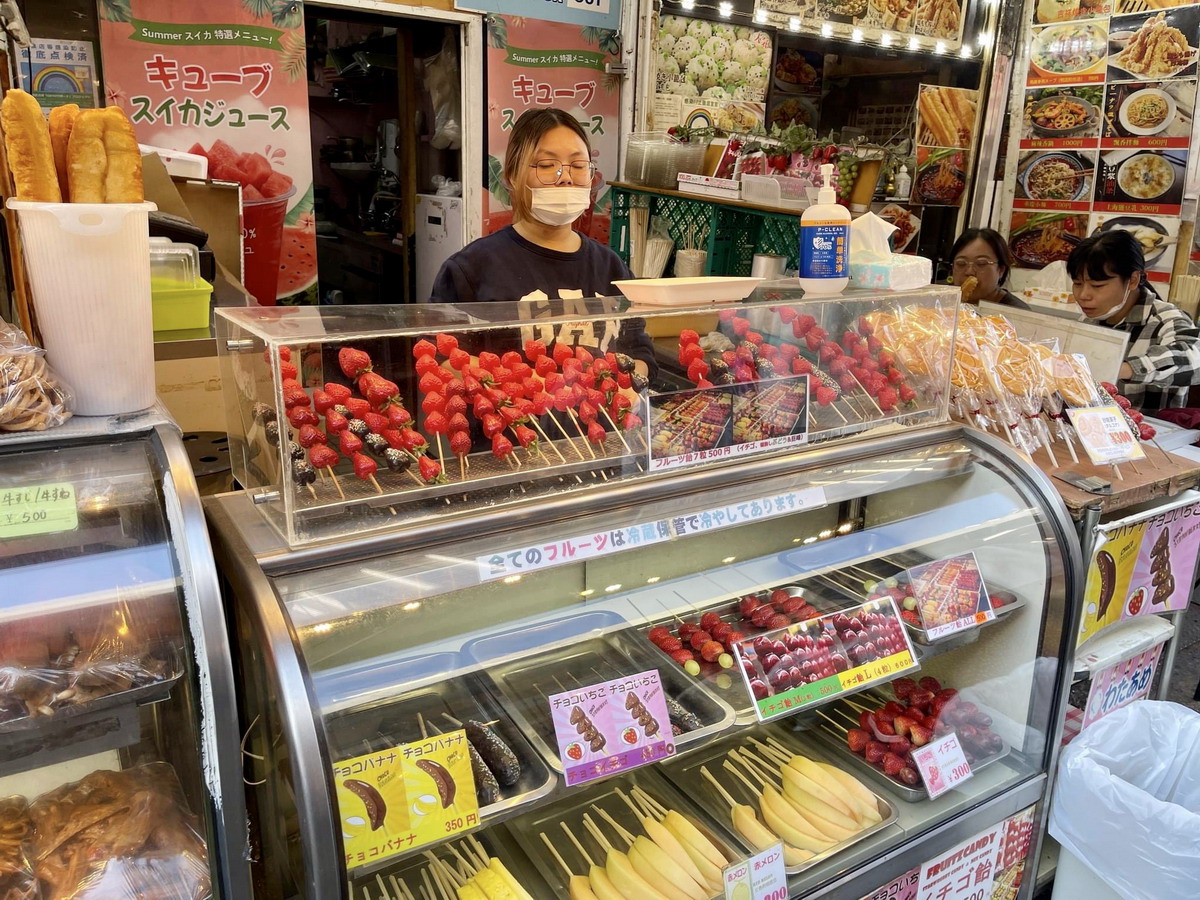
(898, 273)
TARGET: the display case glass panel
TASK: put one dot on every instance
(355, 420)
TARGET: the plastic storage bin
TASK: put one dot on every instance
(91, 290)
(650, 159)
(777, 190)
(1127, 806)
(179, 296)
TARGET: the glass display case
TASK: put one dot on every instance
(116, 780)
(797, 610)
(350, 420)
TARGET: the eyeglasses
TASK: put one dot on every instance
(980, 262)
(550, 171)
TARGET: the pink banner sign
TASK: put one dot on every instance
(1120, 684)
(227, 79)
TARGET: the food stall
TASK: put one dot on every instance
(120, 774)
(540, 645)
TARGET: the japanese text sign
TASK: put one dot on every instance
(570, 549)
(58, 72)
(950, 595)
(942, 764)
(1105, 435)
(611, 726)
(1141, 567)
(37, 509)
(227, 80)
(959, 873)
(761, 877)
(811, 662)
(755, 510)
(406, 796)
(1120, 684)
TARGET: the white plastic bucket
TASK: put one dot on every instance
(89, 268)
(1073, 879)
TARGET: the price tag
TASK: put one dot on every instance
(37, 509)
(1105, 435)
(406, 796)
(817, 659)
(761, 877)
(942, 764)
(611, 726)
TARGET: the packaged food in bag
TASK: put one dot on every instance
(32, 397)
(16, 874)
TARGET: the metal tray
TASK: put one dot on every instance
(365, 880)
(685, 773)
(822, 731)
(139, 696)
(382, 725)
(887, 567)
(735, 693)
(524, 684)
(604, 795)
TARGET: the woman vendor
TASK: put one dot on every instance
(983, 253)
(1108, 280)
(548, 170)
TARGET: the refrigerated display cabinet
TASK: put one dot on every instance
(120, 772)
(366, 624)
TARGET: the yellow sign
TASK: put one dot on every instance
(1105, 435)
(37, 509)
(411, 795)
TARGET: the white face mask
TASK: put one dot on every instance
(559, 205)
(1104, 314)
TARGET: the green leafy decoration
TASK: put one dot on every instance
(605, 39)
(257, 8)
(496, 181)
(304, 205)
(497, 32)
(287, 13)
(294, 60)
(116, 10)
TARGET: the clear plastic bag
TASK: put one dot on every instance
(1127, 803)
(32, 397)
(441, 78)
(50, 664)
(16, 874)
(119, 836)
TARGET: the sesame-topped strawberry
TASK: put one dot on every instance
(353, 362)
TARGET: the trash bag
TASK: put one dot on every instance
(1127, 801)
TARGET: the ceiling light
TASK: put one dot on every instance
(725, 9)
(793, 24)
(760, 17)
(856, 35)
(939, 47)
(885, 40)
(913, 43)
(965, 51)
(826, 30)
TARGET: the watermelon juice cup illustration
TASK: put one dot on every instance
(265, 196)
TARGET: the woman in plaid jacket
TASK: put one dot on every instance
(1108, 276)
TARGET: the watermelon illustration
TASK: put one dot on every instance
(297, 260)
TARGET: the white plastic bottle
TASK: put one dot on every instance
(825, 242)
(903, 183)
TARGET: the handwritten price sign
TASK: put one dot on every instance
(942, 764)
(37, 509)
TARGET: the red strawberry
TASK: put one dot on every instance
(335, 422)
(895, 376)
(459, 359)
(375, 422)
(427, 364)
(411, 440)
(587, 412)
(887, 399)
(455, 405)
(349, 442)
(683, 655)
(907, 394)
(545, 365)
(670, 644)
(1146, 432)
(903, 687)
(338, 393)
(358, 407)
(460, 443)
(741, 326)
(310, 436)
(779, 620)
(377, 390)
(584, 355)
(364, 466)
(446, 344)
(534, 349)
(903, 725)
(801, 366)
(431, 471)
(322, 402)
(920, 699)
(697, 369)
(433, 402)
(857, 740)
(323, 457)
(353, 362)
(525, 436)
(457, 422)
(754, 337)
(596, 433)
(886, 359)
(920, 735)
(295, 396)
(435, 423)
(875, 751)
(892, 764)
(492, 425)
(429, 383)
(930, 683)
(825, 395)
(501, 446)
(424, 348)
(562, 352)
(302, 415)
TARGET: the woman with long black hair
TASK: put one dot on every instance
(1108, 278)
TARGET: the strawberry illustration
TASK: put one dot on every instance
(446, 344)
(353, 362)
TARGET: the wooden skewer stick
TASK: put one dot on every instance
(311, 491)
(473, 843)
(401, 888)
(337, 484)
(554, 852)
(582, 435)
(758, 774)
(754, 792)
(773, 750)
(1117, 470)
(383, 891)
(570, 440)
(426, 887)
(650, 802)
(834, 723)
(597, 834)
(378, 489)
(471, 867)
(462, 468)
(546, 437)
(637, 811)
(587, 858)
(733, 804)
(366, 893)
(616, 429)
(616, 826)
